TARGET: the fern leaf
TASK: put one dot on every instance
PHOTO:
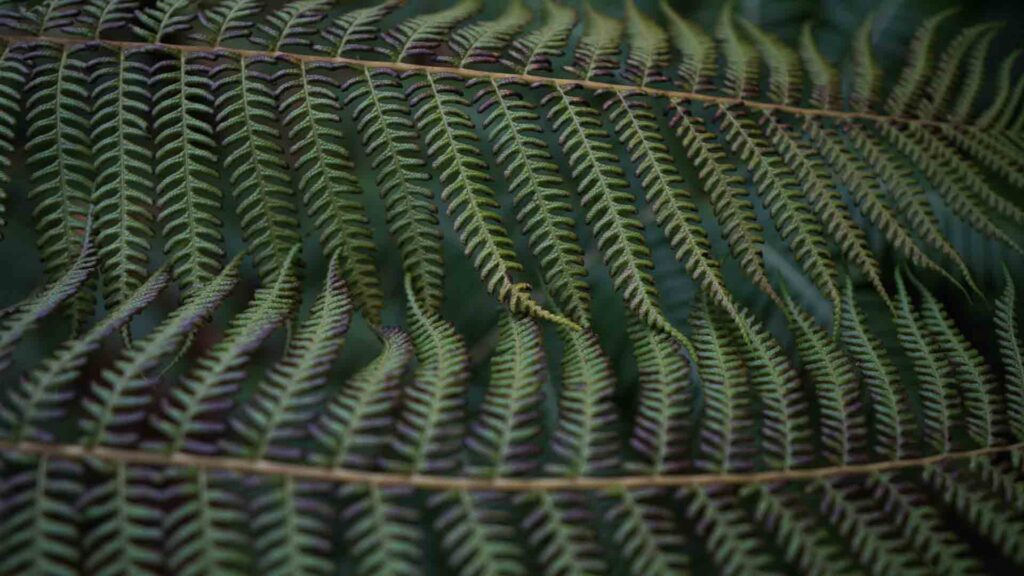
(741, 62)
(382, 118)
(14, 75)
(785, 75)
(472, 205)
(351, 31)
(777, 184)
(505, 434)
(98, 16)
(940, 87)
(938, 396)
(648, 48)
(969, 370)
(733, 209)
(785, 425)
(124, 184)
(422, 34)
(477, 536)
(122, 508)
(189, 198)
(356, 422)
(557, 528)
(672, 205)
(609, 208)
(992, 150)
(542, 204)
(165, 17)
(843, 428)
(596, 53)
(892, 418)
(309, 109)
(290, 25)
(726, 434)
(27, 314)
(970, 85)
(696, 49)
(39, 532)
(1003, 94)
(483, 42)
(382, 533)
(43, 394)
(285, 401)
(227, 20)
(1008, 334)
(730, 539)
(825, 91)
(205, 529)
(115, 403)
(867, 76)
(290, 523)
(191, 411)
(910, 83)
(661, 430)
(647, 534)
(430, 428)
(585, 440)
(245, 109)
(534, 51)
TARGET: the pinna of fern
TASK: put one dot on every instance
(732, 320)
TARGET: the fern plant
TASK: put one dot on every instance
(505, 288)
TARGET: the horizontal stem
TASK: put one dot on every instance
(469, 73)
(502, 484)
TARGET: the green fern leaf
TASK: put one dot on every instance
(696, 51)
(533, 51)
(1008, 332)
(421, 34)
(564, 541)
(477, 534)
(123, 509)
(482, 42)
(648, 48)
(206, 527)
(908, 87)
(595, 54)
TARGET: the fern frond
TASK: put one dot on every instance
(351, 31)
(824, 80)
(246, 124)
(867, 76)
(534, 51)
(115, 403)
(506, 432)
(290, 520)
(726, 431)
(728, 195)
(801, 537)
(383, 533)
(730, 539)
(478, 537)
(422, 34)
(969, 371)
(309, 109)
(585, 439)
(122, 508)
(542, 204)
(937, 392)
(43, 395)
(1003, 94)
(39, 531)
(910, 83)
(124, 167)
(483, 42)
(661, 431)
(290, 25)
(1012, 353)
(696, 49)
(609, 207)
(741, 73)
(354, 425)
(14, 76)
(187, 192)
(430, 427)
(970, 85)
(843, 428)
(448, 131)
(785, 75)
(647, 534)
(648, 48)
(227, 20)
(25, 315)
(940, 87)
(891, 417)
(192, 411)
(163, 18)
(557, 528)
(205, 528)
(382, 118)
(596, 53)
(286, 400)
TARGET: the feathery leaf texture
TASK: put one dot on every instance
(500, 289)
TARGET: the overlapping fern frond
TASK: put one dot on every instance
(505, 289)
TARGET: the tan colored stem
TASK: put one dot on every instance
(469, 73)
(503, 484)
